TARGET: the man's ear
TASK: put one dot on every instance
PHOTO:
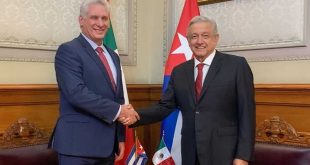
(217, 37)
(81, 21)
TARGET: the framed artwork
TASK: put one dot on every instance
(124, 20)
(206, 2)
(239, 31)
(33, 30)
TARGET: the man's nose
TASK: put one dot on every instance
(101, 22)
(199, 39)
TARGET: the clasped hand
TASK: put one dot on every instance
(128, 115)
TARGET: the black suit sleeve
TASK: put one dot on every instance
(246, 112)
(162, 109)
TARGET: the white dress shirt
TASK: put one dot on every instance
(206, 67)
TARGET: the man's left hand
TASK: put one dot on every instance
(121, 148)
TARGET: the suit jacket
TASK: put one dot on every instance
(88, 103)
(220, 126)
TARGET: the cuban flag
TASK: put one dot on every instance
(137, 155)
(179, 53)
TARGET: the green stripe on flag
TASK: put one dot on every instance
(109, 38)
(161, 144)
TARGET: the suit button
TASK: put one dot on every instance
(197, 112)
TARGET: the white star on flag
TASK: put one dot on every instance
(184, 48)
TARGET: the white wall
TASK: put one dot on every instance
(285, 72)
(149, 68)
(26, 73)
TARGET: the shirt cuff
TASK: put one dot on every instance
(116, 116)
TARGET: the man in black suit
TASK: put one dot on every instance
(215, 93)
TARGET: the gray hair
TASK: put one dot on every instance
(200, 18)
(85, 4)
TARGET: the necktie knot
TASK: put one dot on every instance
(99, 49)
(200, 66)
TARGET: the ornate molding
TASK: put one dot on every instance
(124, 20)
(23, 133)
(207, 2)
(270, 59)
(165, 30)
(130, 58)
(34, 59)
(278, 131)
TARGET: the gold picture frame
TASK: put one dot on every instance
(207, 2)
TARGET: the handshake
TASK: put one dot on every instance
(128, 115)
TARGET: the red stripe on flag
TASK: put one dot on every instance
(129, 142)
(168, 161)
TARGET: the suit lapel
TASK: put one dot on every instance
(91, 52)
(214, 68)
(189, 69)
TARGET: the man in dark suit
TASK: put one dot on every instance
(215, 94)
(91, 94)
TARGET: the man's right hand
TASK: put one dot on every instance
(128, 115)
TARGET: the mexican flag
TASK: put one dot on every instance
(109, 41)
(162, 156)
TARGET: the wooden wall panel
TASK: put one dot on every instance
(44, 115)
(39, 104)
(291, 102)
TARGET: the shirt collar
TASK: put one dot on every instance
(208, 60)
(93, 44)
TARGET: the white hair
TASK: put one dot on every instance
(85, 4)
(201, 18)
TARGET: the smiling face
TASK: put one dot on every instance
(202, 40)
(95, 23)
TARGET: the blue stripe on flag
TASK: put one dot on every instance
(131, 155)
(166, 82)
(144, 161)
(140, 160)
(168, 125)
